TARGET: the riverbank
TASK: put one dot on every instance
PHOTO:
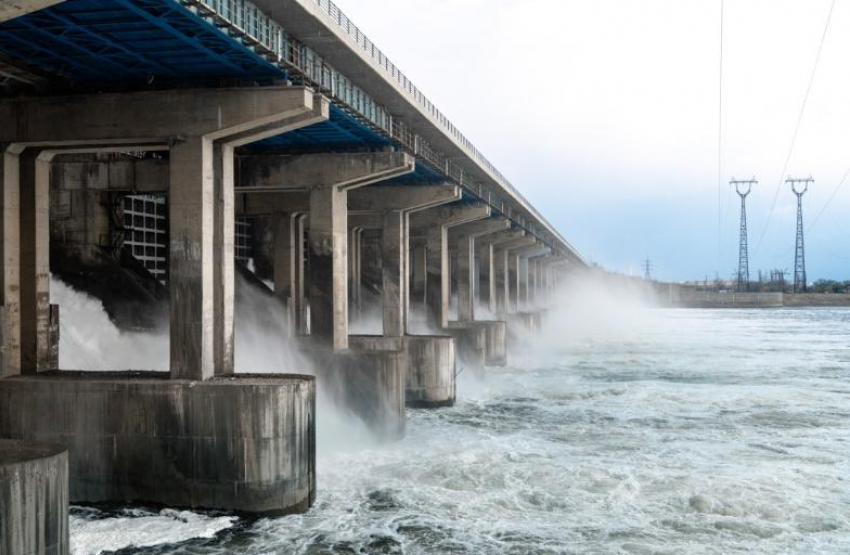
(677, 297)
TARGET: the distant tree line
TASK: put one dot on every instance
(831, 286)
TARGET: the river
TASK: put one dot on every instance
(646, 431)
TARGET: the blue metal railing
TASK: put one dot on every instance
(307, 67)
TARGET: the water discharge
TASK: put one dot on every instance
(620, 429)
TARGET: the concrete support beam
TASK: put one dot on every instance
(527, 271)
(464, 239)
(129, 175)
(395, 204)
(275, 173)
(328, 237)
(200, 128)
(436, 224)
(498, 267)
(371, 221)
(327, 178)
(511, 249)
(255, 204)
(324, 182)
(157, 117)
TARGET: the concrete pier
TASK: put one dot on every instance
(243, 443)
(201, 439)
(33, 498)
(430, 372)
(140, 188)
(370, 379)
(324, 184)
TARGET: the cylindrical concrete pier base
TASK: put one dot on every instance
(481, 342)
(431, 371)
(471, 343)
(33, 498)
(238, 443)
(370, 378)
(497, 342)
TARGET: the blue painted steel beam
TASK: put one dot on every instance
(130, 41)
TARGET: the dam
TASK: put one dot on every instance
(160, 154)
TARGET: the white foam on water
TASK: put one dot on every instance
(93, 534)
(88, 340)
(620, 429)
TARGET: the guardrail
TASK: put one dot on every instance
(369, 47)
(248, 23)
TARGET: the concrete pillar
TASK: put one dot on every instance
(465, 254)
(328, 266)
(523, 282)
(439, 286)
(418, 269)
(502, 281)
(289, 266)
(394, 256)
(201, 128)
(487, 290)
(224, 239)
(35, 261)
(534, 261)
(436, 224)
(513, 282)
(493, 247)
(525, 255)
(355, 235)
(511, 270)
(396, 204)
(328, 178)
(191, 265)
(533, 264)
(10, 259)
(465, 239)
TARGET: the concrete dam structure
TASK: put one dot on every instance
(159, 155)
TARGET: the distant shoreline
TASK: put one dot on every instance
(678, 297)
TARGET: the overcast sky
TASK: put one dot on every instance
(605, 115)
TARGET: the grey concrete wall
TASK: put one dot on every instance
(482, 342)
(370, 379)
(33, 498)
(497, 342)
(431, 371)
(471, 340)
(243, 443)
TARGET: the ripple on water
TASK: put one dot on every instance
(697, 432)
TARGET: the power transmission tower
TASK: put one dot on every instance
(647, 269)
(799, 188)
(743, 187)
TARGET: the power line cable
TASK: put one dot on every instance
(830, 199)
(720, 146)
(796, 129)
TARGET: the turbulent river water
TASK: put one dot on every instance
(647, 431)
